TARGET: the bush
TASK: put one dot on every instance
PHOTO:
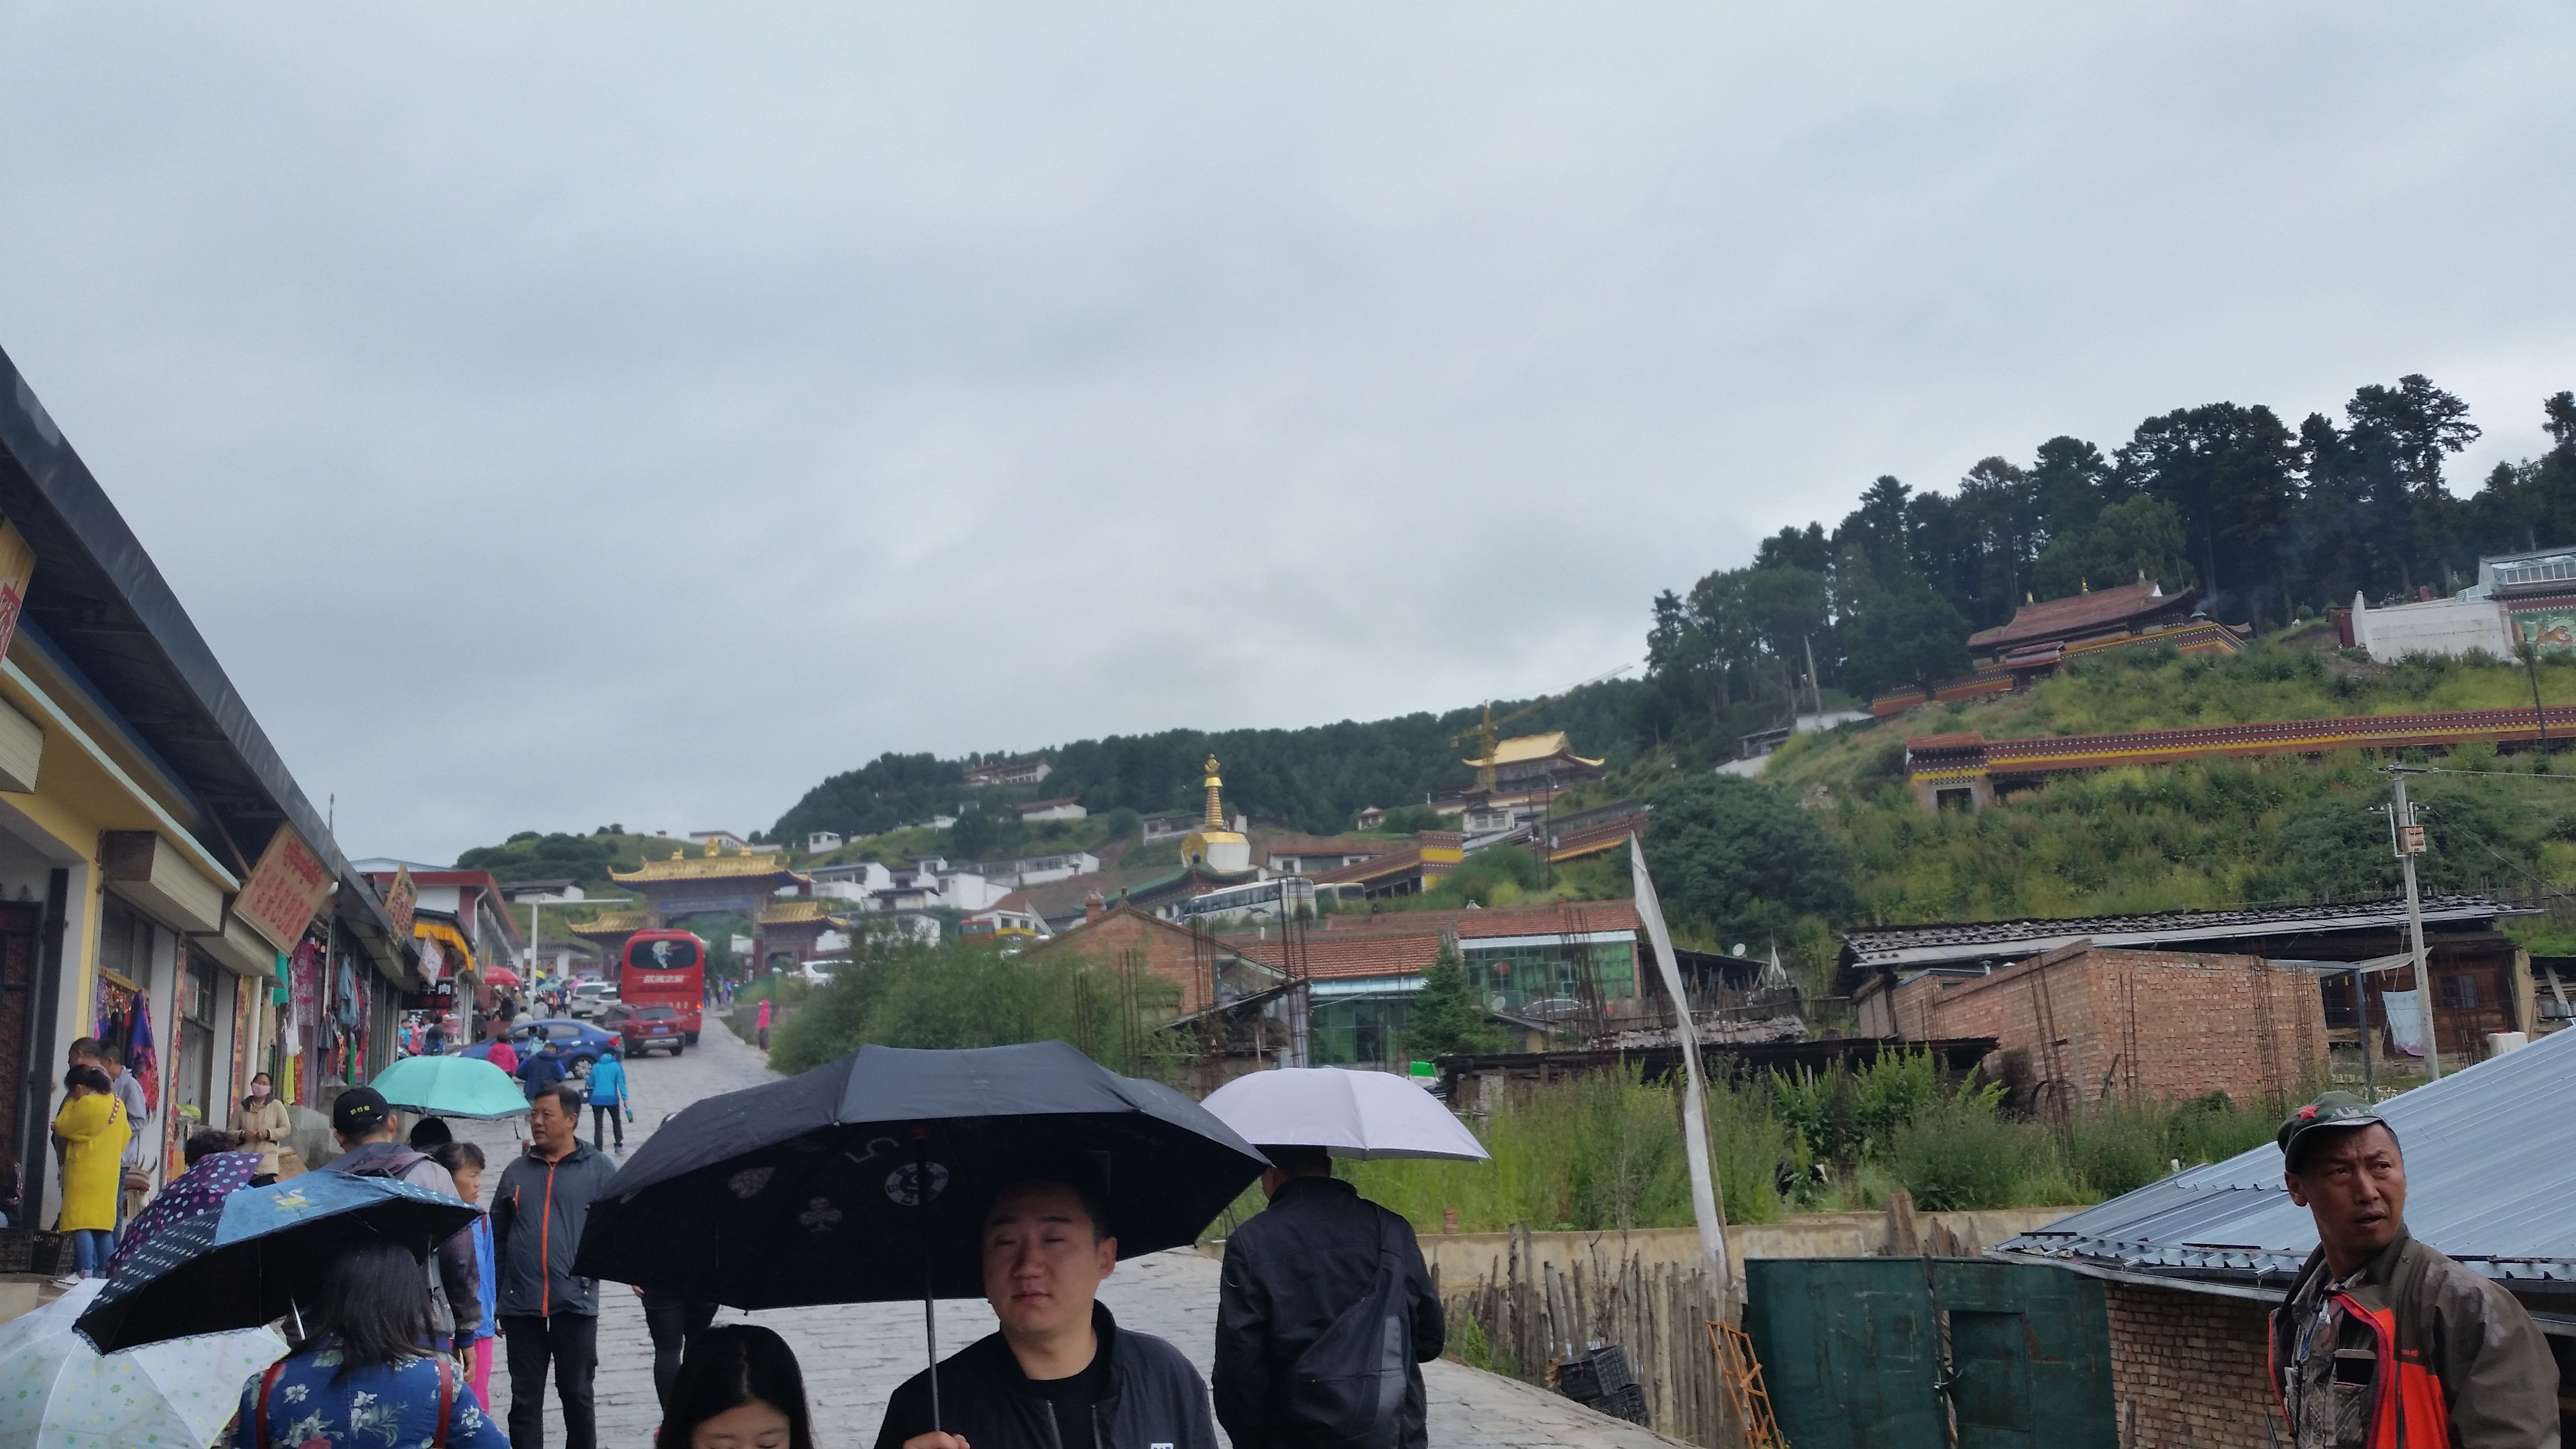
(1961, 1154)
(1602, 1151)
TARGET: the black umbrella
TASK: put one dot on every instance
(260, 1257)
(804, 1191)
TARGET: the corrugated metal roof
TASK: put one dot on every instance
(2490, 1176)
(1970, 940)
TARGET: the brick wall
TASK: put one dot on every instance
(2144, 1023)
(2187, 1370)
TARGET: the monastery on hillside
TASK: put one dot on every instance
(1516, 782)
(2044, 634)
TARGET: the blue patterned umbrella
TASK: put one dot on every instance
(260, 1257)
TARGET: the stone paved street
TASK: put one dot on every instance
(854, 1355)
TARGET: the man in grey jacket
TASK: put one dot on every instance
(548, 1315)
(364, 1124)
(2383, 1340)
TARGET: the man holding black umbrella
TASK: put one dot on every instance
(1060, 1374)
(549, 1314)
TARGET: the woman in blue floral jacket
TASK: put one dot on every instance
(366, 1380)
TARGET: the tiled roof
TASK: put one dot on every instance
(707, 867)
(2490, 1167)
(1567, 918)
(610, 923)
(1395, 862)
(2080, 614)
(1371, 956)
(794, 913)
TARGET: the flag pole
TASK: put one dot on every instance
(1707, 1199)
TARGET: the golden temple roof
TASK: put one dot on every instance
(610, 923)
(1521, 749)
(799, 912)
(707, 867)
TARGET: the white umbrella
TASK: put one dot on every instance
(1352, 1114)
(57, 1392)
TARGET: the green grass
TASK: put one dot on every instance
(1605, 1152)
(2208, 834)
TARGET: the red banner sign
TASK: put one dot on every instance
(284, 890)
(17, 566)
(401, 899)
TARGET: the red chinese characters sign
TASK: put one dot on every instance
(17, 566)
(402, 900)
(284, 890)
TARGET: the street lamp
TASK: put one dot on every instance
(536, 913)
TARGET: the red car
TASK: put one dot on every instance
(652, 1026)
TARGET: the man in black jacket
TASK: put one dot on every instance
(364, 1125)
(547, 1314)
(1061, 1374)
(1289, 1272)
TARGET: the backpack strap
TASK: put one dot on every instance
(446, 1400)
(259, 1406)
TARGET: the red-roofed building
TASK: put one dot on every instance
(1573, 963)
(2042, 635)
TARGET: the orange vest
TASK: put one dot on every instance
(2407, 1409)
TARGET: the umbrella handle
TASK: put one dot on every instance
(929, 1298)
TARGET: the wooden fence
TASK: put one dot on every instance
(1533, 1314)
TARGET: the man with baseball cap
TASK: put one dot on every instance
(2384, 1343)
(364, 1123)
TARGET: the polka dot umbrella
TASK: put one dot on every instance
(57, 1392)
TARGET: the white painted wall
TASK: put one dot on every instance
(2451, 627)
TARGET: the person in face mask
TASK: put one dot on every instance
(262, 1125)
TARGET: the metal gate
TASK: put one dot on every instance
(1931, 1353)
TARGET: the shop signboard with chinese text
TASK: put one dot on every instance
(17, 566)
(284, 891)
(402, 898)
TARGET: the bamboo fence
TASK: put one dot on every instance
(1534, 1316)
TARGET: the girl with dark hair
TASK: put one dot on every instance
(365, 1378)
(464, 1164)
(739, 1388)
(94, 1131)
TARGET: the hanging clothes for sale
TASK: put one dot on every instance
(139, 1056)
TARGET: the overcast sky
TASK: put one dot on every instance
(570, 414)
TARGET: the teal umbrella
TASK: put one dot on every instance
(451, 1087)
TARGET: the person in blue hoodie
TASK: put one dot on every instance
(542, 1070)
(608, 1100)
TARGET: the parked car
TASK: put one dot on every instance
(579, 1042)
(644, 1027)
(589, 997)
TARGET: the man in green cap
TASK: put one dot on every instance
(2384, 1343)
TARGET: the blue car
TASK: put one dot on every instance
(578, 1042)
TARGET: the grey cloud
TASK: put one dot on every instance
(681, 404)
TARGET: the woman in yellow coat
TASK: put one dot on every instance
(94, 1131)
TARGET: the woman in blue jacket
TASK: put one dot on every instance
(608, 1105)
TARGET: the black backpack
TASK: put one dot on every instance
(1347, 1389)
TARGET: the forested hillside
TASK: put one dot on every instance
(2271, 522)
(1314, 778)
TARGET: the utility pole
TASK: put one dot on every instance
(2410, 844)
(2530, 650)
(1815, 687)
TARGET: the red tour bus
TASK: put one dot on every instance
(665, 968)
